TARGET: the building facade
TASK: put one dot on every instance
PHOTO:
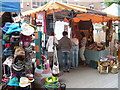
(92, 4)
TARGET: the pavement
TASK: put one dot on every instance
(86, 77)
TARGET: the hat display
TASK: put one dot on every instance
(9, 61)
(24, 81)
(19, 51)
(13, 82)
(6, 27)
(18, 66)
(13, 28)
(27, 30)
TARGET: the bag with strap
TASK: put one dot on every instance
(55, 69)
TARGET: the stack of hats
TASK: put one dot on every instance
(17, 53)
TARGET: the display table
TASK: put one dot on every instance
(94, 55)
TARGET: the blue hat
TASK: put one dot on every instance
(13, 28)
(13, 82)
(6, 27)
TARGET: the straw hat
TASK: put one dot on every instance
(27, 30)
(19, 51)
(24, 81)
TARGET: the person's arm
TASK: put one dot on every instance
(47, 44)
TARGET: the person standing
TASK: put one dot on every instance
(50, 47)
(65, 46)
(82, 48)
(75, 49)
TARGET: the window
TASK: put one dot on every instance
(102, 5)
(91, 6)
(35, 4)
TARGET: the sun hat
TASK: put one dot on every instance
(9, 61)
(13, 82)
(19, 51)
(24, 81)
(6, 27)
(13, 28)
(18, 66)
(30, 77)
(27, 30)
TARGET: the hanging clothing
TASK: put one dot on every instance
(49, 45)
(85, 25)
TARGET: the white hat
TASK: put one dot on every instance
(9, 61)
(24, 81)
(27, 30)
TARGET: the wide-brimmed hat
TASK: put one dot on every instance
(19, 51)
(27, 30)
(9, 61)
(13, 28)
(24, 82)
(30, 77)
(18, 66)
(6, 27)
(13, 82)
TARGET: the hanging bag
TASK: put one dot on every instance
(55, 69)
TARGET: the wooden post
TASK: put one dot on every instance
(119, 54)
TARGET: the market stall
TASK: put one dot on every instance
(57, 11)
(17, 49)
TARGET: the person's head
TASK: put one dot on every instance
(52, 34)
(65, 33)
(82, 34)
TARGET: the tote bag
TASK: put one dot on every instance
(55, 69)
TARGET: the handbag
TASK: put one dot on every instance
(55, 69)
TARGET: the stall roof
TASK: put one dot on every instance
(10, 5)
(51, 7)
(93, 17)
(113, 11)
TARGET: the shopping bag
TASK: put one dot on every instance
(55, 69)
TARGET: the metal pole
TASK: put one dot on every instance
(0, 60)
(54, 19)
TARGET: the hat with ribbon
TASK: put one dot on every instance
(6, 27)
(24, 82)
(9, 61)
(13, 28)
(18, 66)
(30, 77)
(13, 82)
(27, 30)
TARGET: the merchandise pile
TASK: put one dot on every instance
(108, 64)
(96, 46)
(17, 54)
